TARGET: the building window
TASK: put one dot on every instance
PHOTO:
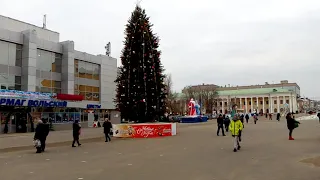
(250, 103)
(287, 101)
(96, 72)
(10, 82)
(10, 54)
(275, 102)
(18, 55)
(86, 70)
(267, 102)
(90, 93)
(57, 63)
(281, 101)
(220, 103)
(76, 68)
(261, 102)
(244, 103)
(49, 61)
(48, 86)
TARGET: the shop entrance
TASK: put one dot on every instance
(14, 119)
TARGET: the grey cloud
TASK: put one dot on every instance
(205, 41)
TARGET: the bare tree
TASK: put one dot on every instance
(205, 94)
(171, 96)
(190, 92)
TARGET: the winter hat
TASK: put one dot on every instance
(235, 117)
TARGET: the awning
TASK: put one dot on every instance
(70, 97)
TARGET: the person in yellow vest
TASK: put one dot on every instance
(235, 128)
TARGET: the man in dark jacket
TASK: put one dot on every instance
(107, 129)
(226, 122)
(291, 124)
(242, 119)
(247, 118)
(220, 121)
(40, 134)
(46, 129)
(278, 116)
(76, 133)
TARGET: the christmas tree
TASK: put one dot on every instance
(140, 82)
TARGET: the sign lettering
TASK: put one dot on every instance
(32, 103)
(93, 106)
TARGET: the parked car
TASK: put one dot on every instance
(176, 118)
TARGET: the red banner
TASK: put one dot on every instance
(142, 130)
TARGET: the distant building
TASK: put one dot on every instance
(267, 98)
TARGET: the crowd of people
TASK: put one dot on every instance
(225, 123)
(43, 128)
(236, 125)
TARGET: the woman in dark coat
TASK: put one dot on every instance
(107, 129)
(247, 118)
(291, 124)
(278, 116)
(76, 128)
(40, 134)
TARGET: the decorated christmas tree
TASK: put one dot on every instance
(140, 82)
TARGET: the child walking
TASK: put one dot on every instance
(235, 128)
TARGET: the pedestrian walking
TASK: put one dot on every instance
(255, 118)
(242, 119)
(226, 122)
(107, 126)
(278, 116)
(220, 121)
(46, 126)
(270, 116)
(318, 116)
(39, 136)
(247, 118)
(291, 124)
(235, 128)
(76, 128)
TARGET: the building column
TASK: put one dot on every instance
(29, 61)
(295, 108)
(246, 101)
(228, 103)
(264, 111)
(278, 103)
(284, 100)
(241, 103)
(257, 108)
(222, 106)
(290, 103)
(67, 69)
(251, 105)
(271, 104)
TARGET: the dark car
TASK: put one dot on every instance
(175, 118)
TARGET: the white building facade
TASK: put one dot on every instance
(268, 98)
(33, 59)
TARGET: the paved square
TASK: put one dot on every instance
(196, 153)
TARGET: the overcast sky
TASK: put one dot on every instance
(237, 42)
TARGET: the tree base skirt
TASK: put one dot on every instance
(144, 130)
(194, 119)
